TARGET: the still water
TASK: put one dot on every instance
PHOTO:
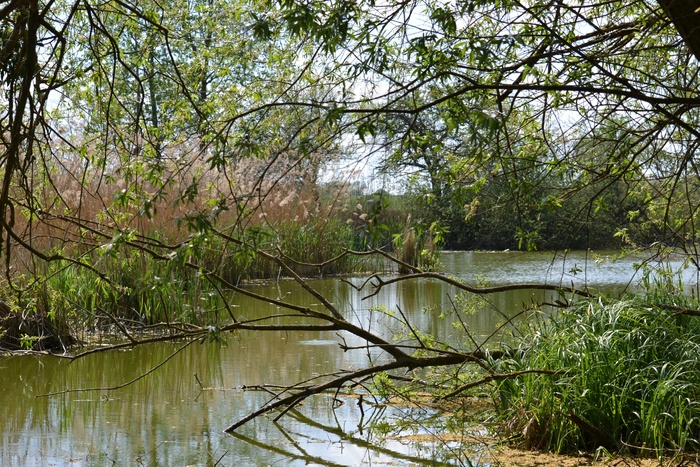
(169, 419)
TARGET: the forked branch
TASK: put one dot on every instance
(409, 363)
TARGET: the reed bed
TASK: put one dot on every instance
(628, 380)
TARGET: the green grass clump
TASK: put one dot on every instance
(316, 242)
(628, 379)
(135, 288)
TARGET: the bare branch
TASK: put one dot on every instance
(409, 363)
(467, 288)
(495, 377)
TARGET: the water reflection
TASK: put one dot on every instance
(603, 270)
(167, 419)
(338, 442)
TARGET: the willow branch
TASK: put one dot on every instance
(409, 363)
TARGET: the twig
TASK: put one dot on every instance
(123, 385)
(495, 377)
(222, 296)
(305, 285)
(117, 323)
(464, 325)
(408, 323)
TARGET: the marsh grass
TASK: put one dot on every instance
(138, 233)
(316, 242)
(137, 288)
(629, 381)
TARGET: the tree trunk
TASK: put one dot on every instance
(685, 16)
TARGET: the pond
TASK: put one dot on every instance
(177, 414)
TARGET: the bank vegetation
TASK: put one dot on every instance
(156, 156)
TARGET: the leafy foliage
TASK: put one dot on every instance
(625, 380)
(185, 140)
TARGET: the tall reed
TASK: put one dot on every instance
(138, 288)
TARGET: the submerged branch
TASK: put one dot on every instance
(123, 385)
(409, 363)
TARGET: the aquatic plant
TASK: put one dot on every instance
(626, 378)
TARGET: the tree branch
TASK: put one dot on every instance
(467, 288)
